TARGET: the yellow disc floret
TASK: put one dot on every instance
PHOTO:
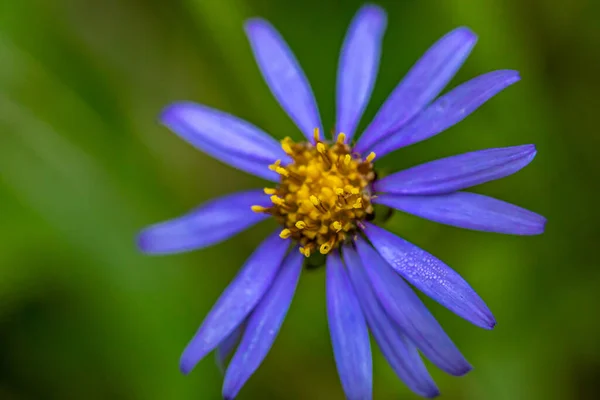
(323, 194)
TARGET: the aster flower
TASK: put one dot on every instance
(323, 195)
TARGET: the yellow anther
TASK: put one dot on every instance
(269, 191)
(284, 234)
(305, 251)
(316, 134)
(341, 139)
(358, 203)
(347, 159)
(286, 147)
(370, 157)
(278, 201)
(321, 148)
(337, 226)
(275, 165)
(326, 247)
(282, 171)
(354, 191)
(339, 191)
(314, 199)
(259, 209)
(300, 225)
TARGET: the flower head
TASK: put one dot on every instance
(323, 194)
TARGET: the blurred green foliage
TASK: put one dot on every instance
(84, 165)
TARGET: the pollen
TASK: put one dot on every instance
(323, 193)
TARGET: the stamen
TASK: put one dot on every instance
(269, 191)
(285, 145)
(300, 224)
(278, 201)
(337, 226)
(284, 234)
(307, 250)
(347, 159)
(323, 153)
(282, 171)
(259, 209)
(317, 203)
(341, 138)
(273, 167)
(316, 135)
(326, 247)
(370, 157)
(314, 200)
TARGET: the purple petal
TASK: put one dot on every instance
(284, 76)
(420, 86)
(448, 110)
(226, 347)
(469, 211)
(401, 353)
(349, 334)
(431, 276)
(260, 169)
(263, 325)
(457, 172)
(211, 223)
(406, 309)
(358, 65)
(237, 301)
(224, 137)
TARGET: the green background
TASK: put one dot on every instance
(84, 165)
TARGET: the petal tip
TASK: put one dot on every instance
(542, 225)
(466, 32)
(186, 365)
(512, 76)
(228, 392)
(255, 23)
(373, 11)
(172, 112)
(527, 152)
(463, 369)
(142, 241)
(489, 322)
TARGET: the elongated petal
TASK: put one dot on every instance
(208, 224)
(358, 66)
(237, 301)
(223, 136)
(448, 110)
(401, 353)
(431, 276)
(284, 76)
(420, 86)
(263, 326)
(226, 347)
(469, 211)
(454, 173)
(246, 164)
(406, 309)
(349, 334)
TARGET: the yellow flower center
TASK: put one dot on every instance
(323, 194)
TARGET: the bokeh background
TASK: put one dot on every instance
(84, 165)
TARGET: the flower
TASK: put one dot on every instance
(323, 196)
